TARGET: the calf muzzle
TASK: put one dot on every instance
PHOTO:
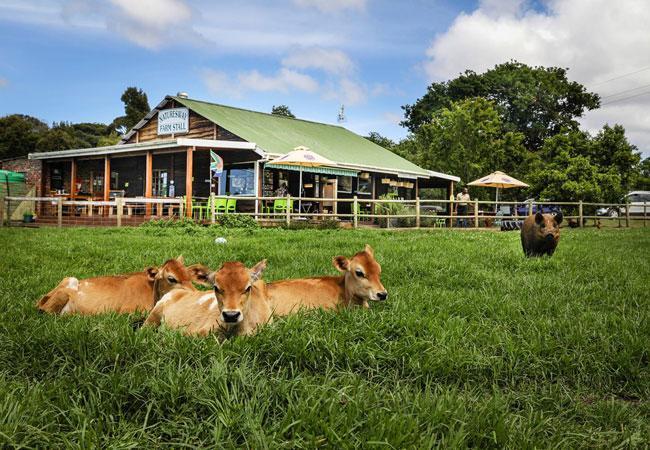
(231, 316)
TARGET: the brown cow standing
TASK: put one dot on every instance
(359, 284)
(126, 293)
(238, 305)
(540, 234)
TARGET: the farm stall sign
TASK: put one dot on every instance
(173, 121)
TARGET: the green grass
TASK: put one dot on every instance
(476, 347)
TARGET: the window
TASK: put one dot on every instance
(364, 186)
(345, 184)
(237, 181)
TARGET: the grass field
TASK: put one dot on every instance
(476, 346)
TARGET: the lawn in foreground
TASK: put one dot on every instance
(476, 346)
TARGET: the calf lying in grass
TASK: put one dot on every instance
(126, 293)
(238, 305)
(358, 285)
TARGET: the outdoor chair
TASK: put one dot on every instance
(440, 223)
(280, 205)
(220, 205)
(231, 205)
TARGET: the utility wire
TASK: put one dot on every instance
(621, 76)
(625, 91)
(625, 98)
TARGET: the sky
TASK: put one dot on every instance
(70, 60)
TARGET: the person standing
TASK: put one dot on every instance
(461, 208)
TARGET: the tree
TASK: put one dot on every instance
(282, 110)
(55, 139)
(136, 106)
(380, 140)
(467, 139)
(643, 179)
(536, 101)
(611, 149)
(19, 134)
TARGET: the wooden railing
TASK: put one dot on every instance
(388, 213)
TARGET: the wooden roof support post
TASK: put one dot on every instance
(148, 180)
(107, 183)
(73, 179)
(189, 169)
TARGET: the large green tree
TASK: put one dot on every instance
(136, 106)
(539, 102)
(467, 139)
(19, 134)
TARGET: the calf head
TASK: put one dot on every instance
(233, 284)
(547, 228)
(362, 273)
(173, 274)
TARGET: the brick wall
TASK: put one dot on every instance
(32, 169)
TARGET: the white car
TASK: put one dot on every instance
(636, 200)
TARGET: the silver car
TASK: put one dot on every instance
(636, 200)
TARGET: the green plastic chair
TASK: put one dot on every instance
(280, 205)
(220, 205)
(359, 211)
(231, 205)
(195, 207)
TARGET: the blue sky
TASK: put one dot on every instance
(71, 59)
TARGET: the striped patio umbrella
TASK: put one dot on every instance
(498, 180)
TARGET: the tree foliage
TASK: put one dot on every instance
(380, 140)
(19, 134)
(136, 106)
(282, 110)
(535, 101)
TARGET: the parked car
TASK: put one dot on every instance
(636, 200)
(545, 208)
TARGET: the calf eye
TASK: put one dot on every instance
(217, 290)
(359, 273)
(248, 290)
(171, 279)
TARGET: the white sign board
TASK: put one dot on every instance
(174, 121)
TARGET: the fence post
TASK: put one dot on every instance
(627, 213)
(4, 207)
(451, 214)
(645, 210)
(355, 208)
(59, 212)
(257, 207)
(530, 209)
(288, 209)
(417, 212)
(580, 223)
(475, 213)
(181, 205)
(120, 210)
(213, 208)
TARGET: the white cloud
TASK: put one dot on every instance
(332, 5)
(285, 81)
(596, 39)
(329, 60)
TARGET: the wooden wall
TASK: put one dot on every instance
(200, 128)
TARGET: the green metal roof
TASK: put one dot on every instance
(280, 135)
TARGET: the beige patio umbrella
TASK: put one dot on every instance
(498, 180)
(303, 157)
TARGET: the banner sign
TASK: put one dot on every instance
(174, 121)
(216, 164)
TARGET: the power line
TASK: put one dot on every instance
(621, 76)
(625, 98)
(625, 91)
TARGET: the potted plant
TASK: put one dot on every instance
(28, 217)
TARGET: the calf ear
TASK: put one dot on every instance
(539, 218)
(256, 271)
(151, 273)
(341, 263)
(180, 259)
(558, 218)
(199, 273)
(369, 251)
(210, 277)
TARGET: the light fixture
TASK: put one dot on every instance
(364, 175)
(393, 183)
(308, 185)
(385, 181)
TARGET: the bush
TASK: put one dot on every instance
(183, 225)
(237, 221)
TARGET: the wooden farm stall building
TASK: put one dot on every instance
(168, 154)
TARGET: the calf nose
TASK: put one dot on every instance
(231, 316)
(549, 237)
(382, 295)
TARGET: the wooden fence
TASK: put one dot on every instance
(386, 213)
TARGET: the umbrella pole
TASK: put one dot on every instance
(300, 193)
(496, 203)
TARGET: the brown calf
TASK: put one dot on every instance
(238, 305)
(359, 284)
(540, 234)
(127, 293)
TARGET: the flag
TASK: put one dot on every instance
(216, 164)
